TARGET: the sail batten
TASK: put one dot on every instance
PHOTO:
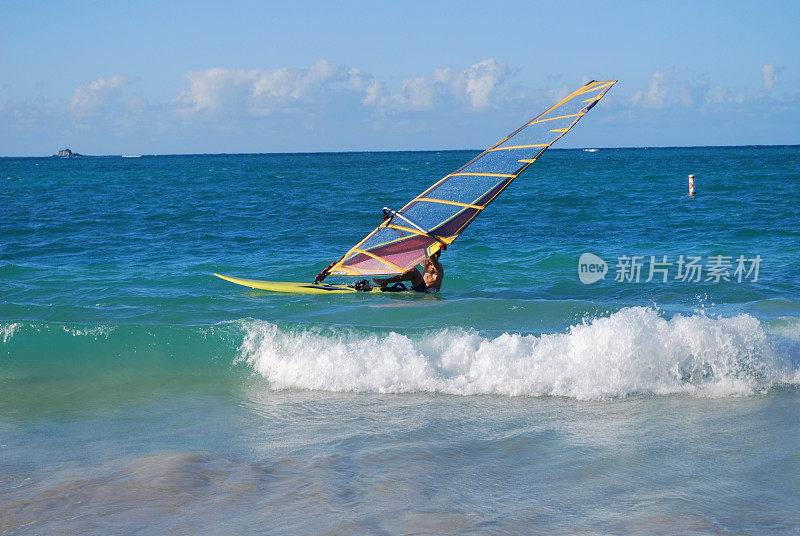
(537, 121)
(481, 174)
(445, 209)
(448, 202)
(507, 147)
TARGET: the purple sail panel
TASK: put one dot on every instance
(403, 254)
(366, 265)
(452, 227)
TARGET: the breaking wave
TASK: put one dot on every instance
(635, 350)
(632, 351)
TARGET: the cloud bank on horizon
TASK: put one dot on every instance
(328, 106)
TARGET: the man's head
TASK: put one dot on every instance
(435, 257)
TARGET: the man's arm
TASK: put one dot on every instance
(412, 275)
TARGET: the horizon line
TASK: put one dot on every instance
(412, 151)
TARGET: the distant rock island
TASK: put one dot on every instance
(66, 153)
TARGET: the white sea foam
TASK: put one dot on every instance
(634, 350)
(7, 330)
(93, 332)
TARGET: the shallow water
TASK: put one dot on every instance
(252, 459)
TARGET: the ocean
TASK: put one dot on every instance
(608, 355)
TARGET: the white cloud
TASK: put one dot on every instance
(665, 93)
(723, 95)
(481, 79)
(416, 95)
(770, 74)
(261, 92)
(717, 95)
(207, 88)
(93, 95)
(476, 87)
(331, 106)
(657, 93)
(258, 92)
(691, 93)
(373, 93)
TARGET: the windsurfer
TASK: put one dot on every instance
(430, 280)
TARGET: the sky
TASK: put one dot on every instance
(259, 77)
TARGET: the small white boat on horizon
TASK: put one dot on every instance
(131, 156)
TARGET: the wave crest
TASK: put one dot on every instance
(634, 350)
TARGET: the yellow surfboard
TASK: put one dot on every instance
(293, 288)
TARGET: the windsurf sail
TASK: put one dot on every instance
(436, 217)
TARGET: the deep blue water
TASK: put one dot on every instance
(140, 394)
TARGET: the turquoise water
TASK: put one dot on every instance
(140, 394)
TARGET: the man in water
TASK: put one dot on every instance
(429, 281)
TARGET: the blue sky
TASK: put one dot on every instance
(194, 77)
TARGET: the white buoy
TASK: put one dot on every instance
(691, 184)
